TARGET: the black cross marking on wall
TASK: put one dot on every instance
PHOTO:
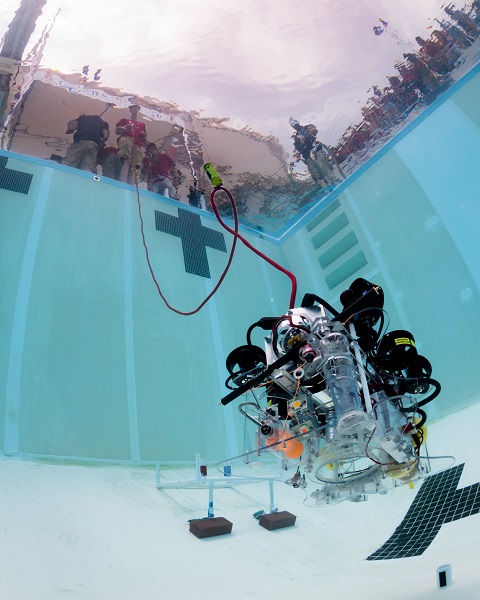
(14, 181)
(437, 502)
(195, 239)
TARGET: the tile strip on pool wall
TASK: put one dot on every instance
(129, 332)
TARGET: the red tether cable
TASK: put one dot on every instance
(236, 235)
(222, 277)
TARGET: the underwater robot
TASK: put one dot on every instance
(335, 396)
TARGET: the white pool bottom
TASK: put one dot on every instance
(71, 531)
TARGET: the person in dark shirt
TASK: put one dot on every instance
(89, 132)
(304, 142)
(196, 197)
(304, 139)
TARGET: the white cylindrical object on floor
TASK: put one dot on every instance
(444, 576)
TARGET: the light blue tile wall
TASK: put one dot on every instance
(416, 215)
(93, 364)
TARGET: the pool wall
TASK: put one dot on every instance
(411, 223)
(95, 366)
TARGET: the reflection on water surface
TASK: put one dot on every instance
(285, 100)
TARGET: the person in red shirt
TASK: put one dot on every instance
(158, 170)
(132, 139)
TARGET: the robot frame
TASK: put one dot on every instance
(343, 400)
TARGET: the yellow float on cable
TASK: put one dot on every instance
(212, 174)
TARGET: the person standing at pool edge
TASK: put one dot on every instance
(132, 139)
(89, 132)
